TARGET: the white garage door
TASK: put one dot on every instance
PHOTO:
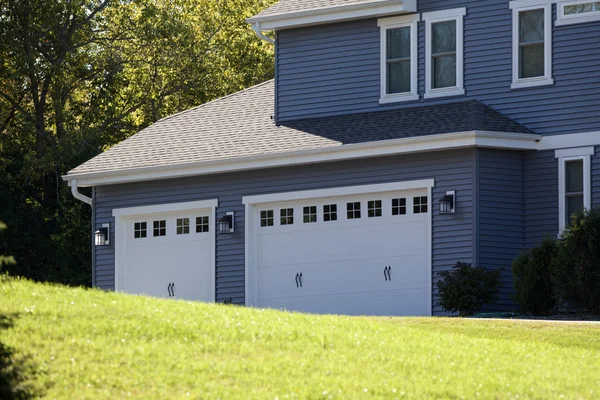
(365, 254)
(168, 254)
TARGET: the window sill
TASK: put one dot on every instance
(397, 98)
(527, 83)
(446, 92)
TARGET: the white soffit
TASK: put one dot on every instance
(334, 14)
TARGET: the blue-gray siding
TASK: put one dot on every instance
(334, 69)
(452, 235)
(500, 216)
(596, 178)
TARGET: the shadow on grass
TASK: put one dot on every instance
(17, 372)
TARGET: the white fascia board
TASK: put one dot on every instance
(165, 208)
(341, 191)
(334, 14)
(445, 141)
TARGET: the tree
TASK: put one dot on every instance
(78, 76)
(5, 260)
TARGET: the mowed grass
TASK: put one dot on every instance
(88, 344)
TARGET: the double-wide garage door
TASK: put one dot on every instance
(362, 254)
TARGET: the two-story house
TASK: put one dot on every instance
(397, 138)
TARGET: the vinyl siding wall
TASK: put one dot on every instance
(334, 69)
(452, 235)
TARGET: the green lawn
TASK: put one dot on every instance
(87, 344)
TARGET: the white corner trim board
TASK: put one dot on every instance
(334, 14)
(336, 152)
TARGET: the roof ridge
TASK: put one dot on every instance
(214, 101)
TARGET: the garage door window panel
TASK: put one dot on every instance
(160, 228)
(183, 226)
(420, 204)
(374, 208)
(266, 218)
(310, 214)
(140, 230)
(286, 216)
(202, 224)
(353, 210)
(330, 212)
(399, 206)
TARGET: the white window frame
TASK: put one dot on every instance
(528, 5)
(563, 156)
(562, 19)
(385, 24)
(456, 14)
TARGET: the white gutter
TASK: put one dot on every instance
(335, 152)
(256, 27)
(76, 194)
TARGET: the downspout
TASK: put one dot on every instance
(77, 195)
(256, 27)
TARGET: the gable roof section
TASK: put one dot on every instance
(296, 13)
(239, 126)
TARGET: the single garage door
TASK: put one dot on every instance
(169, 254)
(365, 254)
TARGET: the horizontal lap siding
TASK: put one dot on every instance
(541, 196)
(452, 235)
(334, 69)
(500, 217)
(596, 179)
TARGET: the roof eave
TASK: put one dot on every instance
(445, 141)
(334, 14)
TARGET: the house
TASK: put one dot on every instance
(397, 138)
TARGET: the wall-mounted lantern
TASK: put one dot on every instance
(448, 203)
(102, 235)
(226, 224)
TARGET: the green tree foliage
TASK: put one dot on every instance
(532, 279)
(466, 289)
(5, 260)
(78, 76)
(576, 267)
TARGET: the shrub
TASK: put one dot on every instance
(576, 267)
(5, 260)
(532, 279)
(465, 289)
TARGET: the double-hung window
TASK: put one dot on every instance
(532, 43)
(399, 58)
(577, 12)
(574, 185)
(444, 59)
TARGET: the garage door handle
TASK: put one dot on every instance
(300, 279)
(390, 272)
(297, 276)
(387, 272)
(173, 288)
(169, 289)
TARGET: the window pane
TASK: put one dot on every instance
(444, 72)
(531, 26)
(582, 8)
(574, 176)
(531, 61)
(443, 37)
(574, 206)
(398, 77)
(398, 43)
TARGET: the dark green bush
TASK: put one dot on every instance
(465, 289)
(532, 279)
(576, 267)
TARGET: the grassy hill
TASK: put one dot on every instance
(88, 344)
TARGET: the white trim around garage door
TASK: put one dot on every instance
(251, 203)
(122, 215)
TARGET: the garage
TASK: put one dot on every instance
(166, 250)
(362, 250)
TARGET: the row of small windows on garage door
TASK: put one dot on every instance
(353, 211)
(159, 227)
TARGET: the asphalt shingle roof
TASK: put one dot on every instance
(240, 125)
(294, 6)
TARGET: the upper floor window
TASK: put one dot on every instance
(577, 11)
(444, 60)
(574, 186)
(532, 43)
(399, 58)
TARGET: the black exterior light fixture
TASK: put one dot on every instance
(448, 203)
(101, 236)
(226, 224)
